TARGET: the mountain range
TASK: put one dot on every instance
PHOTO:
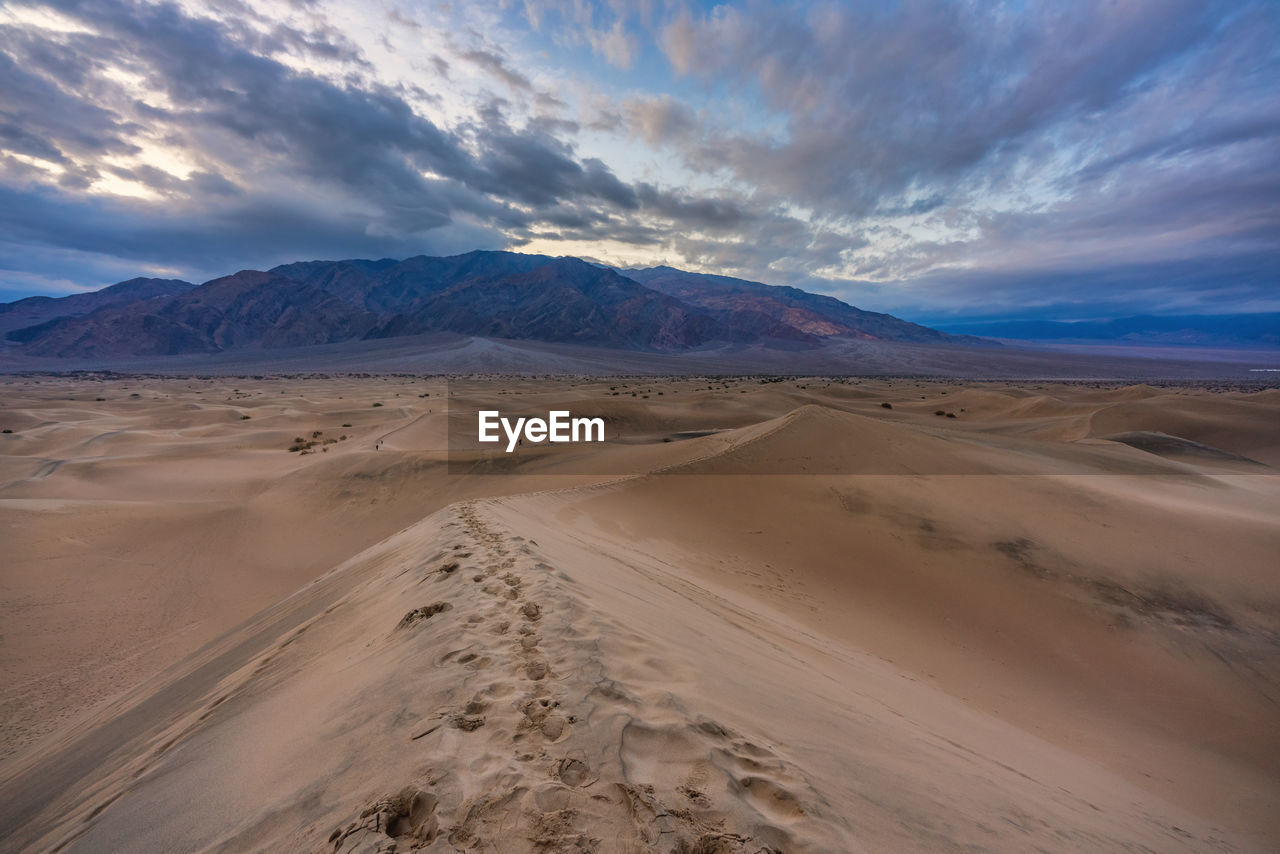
(482, 294)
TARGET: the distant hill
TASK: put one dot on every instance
(482, 294)
(1205, 330)
(752, 309)
(36, 310)
(247, 310)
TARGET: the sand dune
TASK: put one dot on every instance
(770, 617)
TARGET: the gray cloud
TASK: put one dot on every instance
(660, 119)
(296, 163)
(497, 66)
(47, 104)
(1066, 137)
(877, 99)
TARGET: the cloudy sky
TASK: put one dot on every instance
(940, 160)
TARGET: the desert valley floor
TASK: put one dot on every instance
(772, 616)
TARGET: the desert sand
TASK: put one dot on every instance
(766, 616)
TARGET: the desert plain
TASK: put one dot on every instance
(771, 614)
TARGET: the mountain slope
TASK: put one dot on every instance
(509, 295)
(247, 310)
(391, 286)
(564, 300)
(752, 306)
(33, 311)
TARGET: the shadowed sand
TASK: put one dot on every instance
(780, 616)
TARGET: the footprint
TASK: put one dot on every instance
(417, 615)
(409, 816)
(770, 799)
(614, 692)
(555, 728)
(706, 726)
(555, 831)
(467, 723)
(572, 772)
(751, 750)
(473, 662)
(536, 708)
(697, 796)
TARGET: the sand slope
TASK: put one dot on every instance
(139, 527)
(513, 708)
(821, 626)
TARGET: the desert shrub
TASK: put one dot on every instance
(377, 403)
(887, 405)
